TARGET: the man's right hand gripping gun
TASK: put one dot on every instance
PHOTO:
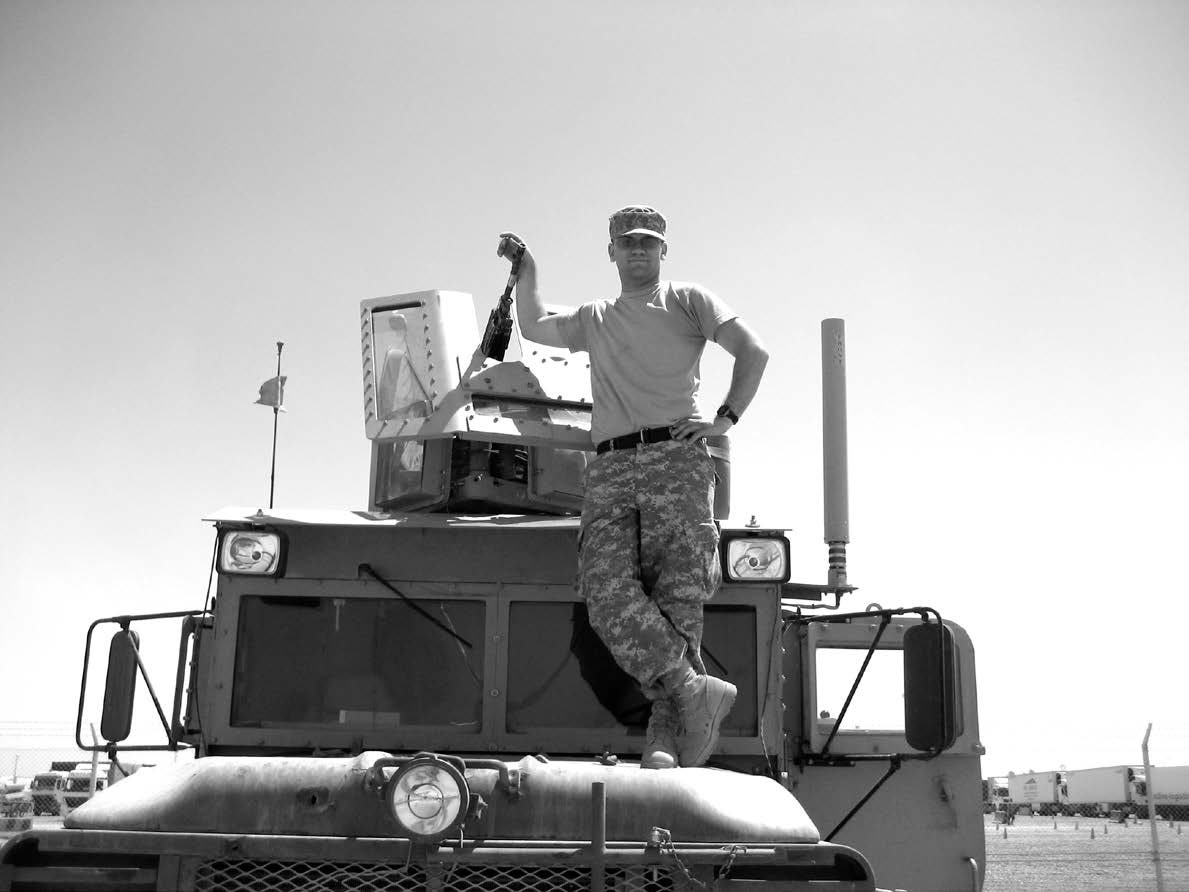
(499, 323)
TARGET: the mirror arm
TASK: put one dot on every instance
(189, 628)
(82, 691)
(124, 622)
(144, 673)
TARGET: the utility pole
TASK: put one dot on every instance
(1152, 813)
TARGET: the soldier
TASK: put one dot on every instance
(648, 545)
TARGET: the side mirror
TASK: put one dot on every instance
(932, 714)
(118, 696)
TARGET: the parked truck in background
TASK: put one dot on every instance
(1043, 792)
(1099, 792)
(80, 786)
(995, 794)
(47, 788)
(16, 800)
(1113, 790)
(1168, 787)
(410, 696)
(87, 779)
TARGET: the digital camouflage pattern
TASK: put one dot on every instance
(637, 218)
(648, 556)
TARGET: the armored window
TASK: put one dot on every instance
(364, 663)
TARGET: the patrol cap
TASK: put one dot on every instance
(638, 219)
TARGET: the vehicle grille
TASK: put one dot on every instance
(321, 876)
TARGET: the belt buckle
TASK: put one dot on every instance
(642, 437)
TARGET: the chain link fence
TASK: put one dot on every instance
(43, 773)
(40, 766)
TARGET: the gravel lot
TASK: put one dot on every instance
(1034, 855)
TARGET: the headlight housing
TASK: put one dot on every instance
(755, 557)
(251, 552)
(428, 798)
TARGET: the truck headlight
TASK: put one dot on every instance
(750, 557)
(255, 552)
(428, 798)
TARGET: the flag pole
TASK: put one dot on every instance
(276, 412)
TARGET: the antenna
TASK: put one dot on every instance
(836, 497)
(276, 411)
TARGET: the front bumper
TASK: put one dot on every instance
(103, 860)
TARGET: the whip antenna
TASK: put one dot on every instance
(836, 498)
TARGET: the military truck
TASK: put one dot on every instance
(410, 697)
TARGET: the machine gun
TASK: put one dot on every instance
(499, 323)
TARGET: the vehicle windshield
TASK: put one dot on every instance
(375, 663)
(561, 675)
(369, 663)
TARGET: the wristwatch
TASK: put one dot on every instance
(724, 411)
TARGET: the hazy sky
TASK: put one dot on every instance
(993, 195)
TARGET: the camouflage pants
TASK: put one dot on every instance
(648, 555)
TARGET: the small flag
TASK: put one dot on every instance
(272, 392)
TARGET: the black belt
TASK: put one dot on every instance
(628, 441)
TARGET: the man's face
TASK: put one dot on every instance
(638, 258)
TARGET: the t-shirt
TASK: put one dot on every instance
(645, 351)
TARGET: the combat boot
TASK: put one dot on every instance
(703, 701)
(660, 748)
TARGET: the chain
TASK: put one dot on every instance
(725, 873)
(665, 840)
